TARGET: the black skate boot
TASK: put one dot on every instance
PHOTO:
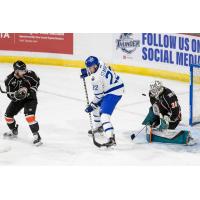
(191, 141)
(12, 133)
(111, 142)
(96, 130)
(37, 139)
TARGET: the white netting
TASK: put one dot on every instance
(196, 94)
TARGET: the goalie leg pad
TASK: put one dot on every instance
(168, 136)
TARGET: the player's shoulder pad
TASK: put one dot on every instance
(9, 77)
(150, 96)
(169, 93)
(31, 73)
(101, 63)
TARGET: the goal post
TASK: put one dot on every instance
(194, 100)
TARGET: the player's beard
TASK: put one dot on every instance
(19, 74)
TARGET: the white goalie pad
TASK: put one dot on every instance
(169, 134)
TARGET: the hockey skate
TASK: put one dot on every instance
(111, 142)
(37, 139)
(12, 133)
(191, 141)
(96, 130)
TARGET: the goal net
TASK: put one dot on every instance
(194, 94)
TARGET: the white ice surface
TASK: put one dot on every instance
(64, 125)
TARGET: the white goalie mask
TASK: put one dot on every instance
(156, 89)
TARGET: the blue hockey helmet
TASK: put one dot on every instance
(91, 61)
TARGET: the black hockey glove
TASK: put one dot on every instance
(21, 94)
(91, 107)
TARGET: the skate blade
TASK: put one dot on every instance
(10, 137)
(112, 146)
(191, 144)
(38, 144)
(96, 134)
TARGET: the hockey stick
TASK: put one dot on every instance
(90, 116)
(4, 92)
(133, 136)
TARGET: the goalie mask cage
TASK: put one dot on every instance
(194, 95)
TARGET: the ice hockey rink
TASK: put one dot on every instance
(64, 125)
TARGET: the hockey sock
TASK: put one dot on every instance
(33, 124)
(107, 126)
(10, 122)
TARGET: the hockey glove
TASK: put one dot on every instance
(21, 94)
(84, 73)
(150, 118)
(91, 107)
(164, 123)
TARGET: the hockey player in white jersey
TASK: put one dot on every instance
(108, 89)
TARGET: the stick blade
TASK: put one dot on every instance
(133, 136)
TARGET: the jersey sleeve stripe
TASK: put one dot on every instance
(114, 88)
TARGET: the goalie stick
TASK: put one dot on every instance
(133, 136)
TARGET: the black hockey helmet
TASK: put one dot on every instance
(19, 65)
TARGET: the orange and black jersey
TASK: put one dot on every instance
(168, 104)
(30, 80)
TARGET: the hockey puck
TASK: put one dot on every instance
(132, 136)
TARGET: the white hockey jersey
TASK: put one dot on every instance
(105, 81)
